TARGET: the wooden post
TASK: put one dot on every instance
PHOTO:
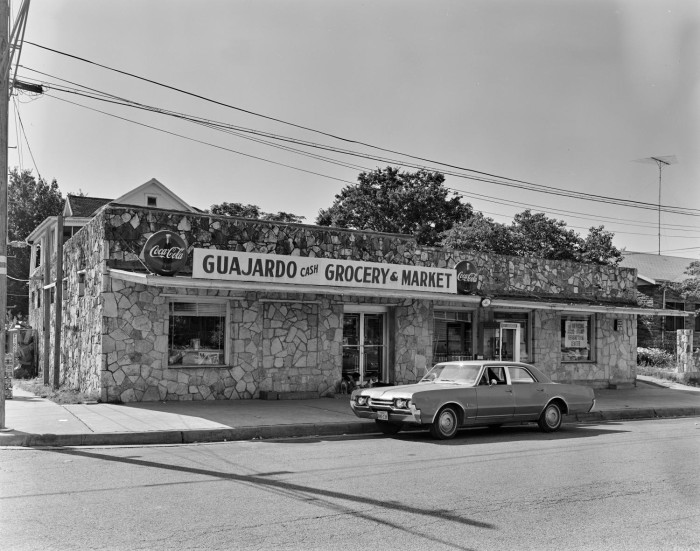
(46, 259)
(4, 107)
(58, 306)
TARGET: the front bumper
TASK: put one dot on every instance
(411, 416)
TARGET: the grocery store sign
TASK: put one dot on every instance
(301, 270)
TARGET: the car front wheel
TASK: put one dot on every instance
(445, 424)
(550, 420)
(387, 428)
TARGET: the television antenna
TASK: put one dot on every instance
(661, 162)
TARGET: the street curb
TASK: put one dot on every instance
(268, 432)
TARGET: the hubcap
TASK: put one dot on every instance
(447, 422)
(552, 416)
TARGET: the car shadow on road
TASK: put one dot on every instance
(471, 436)
(515, 433)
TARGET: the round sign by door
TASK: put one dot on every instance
(467, 277)
(165, 253)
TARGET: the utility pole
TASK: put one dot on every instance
(8, 48)
(4, 108)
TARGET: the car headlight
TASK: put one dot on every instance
(362, 400)
(402, 403)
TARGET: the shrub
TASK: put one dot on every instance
(655, 357)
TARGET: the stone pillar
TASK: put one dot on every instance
(684, 351)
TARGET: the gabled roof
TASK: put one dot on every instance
(136, 196)
(81, 206)
(657, 267)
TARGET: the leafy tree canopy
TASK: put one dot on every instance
(388, 200)
(29, 202)
(253, 211)
(533, 235)
(689, 287)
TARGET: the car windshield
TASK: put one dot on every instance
(447, 373)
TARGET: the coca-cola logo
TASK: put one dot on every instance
(467, 277)
(165, 253)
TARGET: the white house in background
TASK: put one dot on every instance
(78, 210)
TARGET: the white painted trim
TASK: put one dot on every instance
(288, 300)
(562, 307)
(365, 309)
(191, 283)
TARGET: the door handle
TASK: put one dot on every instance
(509, 390)
(540, 390)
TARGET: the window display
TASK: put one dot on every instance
(576, 334)
(452, 336)
(197, 333)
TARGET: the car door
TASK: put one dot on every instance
(494, 396)
(530, 395)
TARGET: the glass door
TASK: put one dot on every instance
(364, 348)
(509, 342)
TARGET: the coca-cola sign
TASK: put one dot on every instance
(467, 277)
(165, 253)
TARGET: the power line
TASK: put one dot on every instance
(190, 119)
(201, 141)
(223, 127)
(296, 168)
(513, 182)
(26, 139)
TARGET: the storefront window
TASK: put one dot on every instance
(452, 336)
(197, 333)
(576, 344)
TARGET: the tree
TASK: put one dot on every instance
(388, 200)
(480, 234)
(253, 211)
(533, 235)
(689, 288)
(29, 202)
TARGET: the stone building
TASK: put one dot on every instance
(250, 309)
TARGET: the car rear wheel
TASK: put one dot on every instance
(445, 424)
(550, 420)
(387, 428)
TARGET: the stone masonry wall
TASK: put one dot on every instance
(615, 358)
(127, 228)
(116, 335)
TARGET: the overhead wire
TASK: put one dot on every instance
(325, 159)
(26, 139)
(222, 127)
(505, 180)
(239, 131)
(202, 141)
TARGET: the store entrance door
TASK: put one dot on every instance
(364, 348)
(509, 342)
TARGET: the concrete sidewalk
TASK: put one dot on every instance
(36, 421)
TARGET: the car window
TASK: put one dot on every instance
(520, 375)
(497, 374)
(463, 374)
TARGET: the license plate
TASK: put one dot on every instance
(383, 415)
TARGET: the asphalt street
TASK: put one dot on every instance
(616, 485)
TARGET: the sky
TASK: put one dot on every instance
(565, 94)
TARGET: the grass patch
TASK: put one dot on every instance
(60, 395)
